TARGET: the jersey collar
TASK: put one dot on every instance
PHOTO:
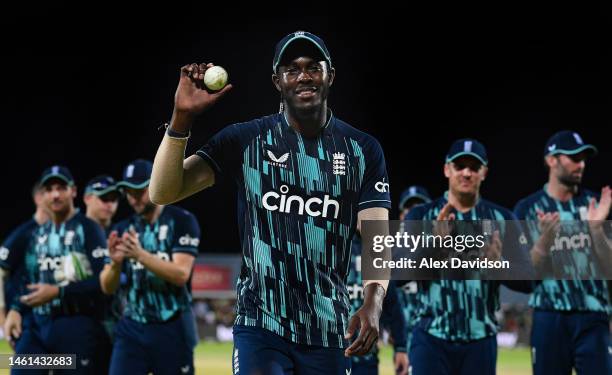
(326, 129)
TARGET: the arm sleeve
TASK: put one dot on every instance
(95, 246)
(186, 234)
(13, 248)
(375, 186)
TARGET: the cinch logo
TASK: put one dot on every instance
(382, 186)
(187, 240)
(273, 201)
(99, 253)
(50, 263)
(575, 242)
(355, 291)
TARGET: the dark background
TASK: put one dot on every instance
(89, 88)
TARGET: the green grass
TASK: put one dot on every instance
(215, 359)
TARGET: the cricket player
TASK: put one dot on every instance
(304, 179)
(101, 198)
(407, 291)
(392, 318)
(62, 262)
(155, 248)
(456, 329)
(570, 319)
(11, 262)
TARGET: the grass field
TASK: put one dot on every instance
(215, 359)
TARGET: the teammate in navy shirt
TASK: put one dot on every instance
(570, 319)
(101, 198)
(304, 179)
(456, 329)
(155, 248)
(407, 291)
(12, 254)
(62, 262)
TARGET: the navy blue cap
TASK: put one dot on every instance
(100, 185)
(298, 36)
(137, 174)
(414, 192)
(57, 171)
(569, 143)
(467, 146)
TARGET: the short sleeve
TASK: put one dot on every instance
(96, 246)
(223, 151)
(186, 234)
(14, 247)
(375, 187)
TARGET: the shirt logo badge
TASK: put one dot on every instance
(339, 164)
(163, 232)
(382, 186)
(69, 238)
(277, 162)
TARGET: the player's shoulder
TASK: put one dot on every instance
(178, 213)
(122, 225)
(86, 223)
(588, 194)
(21, 234)
(256, 125)
(25, 228)
(423, 210)
(523, 205)
(505, 213)
(342, 128)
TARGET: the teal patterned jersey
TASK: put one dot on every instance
(71, 256)
(409, 300)
(298, 200)
(462, 310)
(566, 295)
(149, 298)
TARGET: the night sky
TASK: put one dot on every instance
(90, 91)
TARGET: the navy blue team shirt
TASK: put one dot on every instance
(298, 200)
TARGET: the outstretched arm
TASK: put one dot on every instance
(175, 177)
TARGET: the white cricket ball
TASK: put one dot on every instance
(215, 78)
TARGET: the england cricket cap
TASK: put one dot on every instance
(302, 42)
(467, 146)
(101, 185)
(137, 174)
(59, 172)
(567, 142)
(414, 193)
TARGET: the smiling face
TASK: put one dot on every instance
(465, 174)
(304, 83)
